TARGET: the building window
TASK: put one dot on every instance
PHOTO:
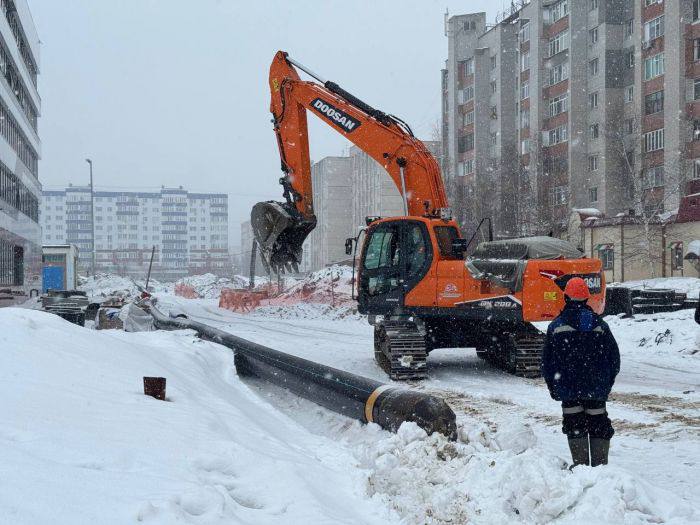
(654, 177)
(493, 87)
(629, 28)
(558, 195)
(558, 73)
(469, 66)
(607, 257)
(525, 61)
(696, 169)
(466, 143)
(469, 118)
(525, 33)
(594, 130)
(696, 89)
(558, 43)
(677, 256)
(557, 105)
(654, 28)
(629, 94)
(652, 2)
(593, 35)
(593, 67)
(466, 94)
(630, 59)
(654, 102)
(524, 146)
(593, 194)
(525, 118)
(654, 66)
(558, 10)
(469, 167)
(493, 62)
(696, 9)
(654, 140)
(593, 4)
(524, 90)
(696, 130)
(593, 100)
(593, 163)
(629, 126)
(555, 136)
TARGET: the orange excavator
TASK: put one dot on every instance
(415, 281)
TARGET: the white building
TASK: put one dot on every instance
(188, 230)
(20, 148)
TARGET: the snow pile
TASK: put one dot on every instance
(208, 285)
(503, 477)
(308, 311)
(82, 444)
(660, 335)
(104, 285)
(687, 285)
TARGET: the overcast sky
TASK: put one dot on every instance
(174, 92)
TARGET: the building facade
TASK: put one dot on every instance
(332, 180)
(189, 230)
(566, 104)
(20, 149)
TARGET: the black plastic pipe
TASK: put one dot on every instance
(348, 394)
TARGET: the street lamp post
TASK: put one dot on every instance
(92, 216)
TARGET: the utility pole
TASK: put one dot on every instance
(92, 216)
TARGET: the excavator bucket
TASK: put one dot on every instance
(280, 232)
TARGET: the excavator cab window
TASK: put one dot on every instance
(445, 236)
(382, 259)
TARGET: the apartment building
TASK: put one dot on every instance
(189, 230)
(374, 193)
(594, 101)
(20, 148)
(332, 180)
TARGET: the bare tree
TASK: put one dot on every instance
(650, 191)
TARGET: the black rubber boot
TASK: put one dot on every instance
(599, 451)
(579, 450)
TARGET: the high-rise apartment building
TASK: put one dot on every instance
(20, 190)
(189, 230)
(566, 104)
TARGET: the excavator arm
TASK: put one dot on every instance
(281, 227)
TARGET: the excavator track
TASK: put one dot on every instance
(399, 349)
(518, 354)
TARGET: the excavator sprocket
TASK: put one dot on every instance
(280, 232)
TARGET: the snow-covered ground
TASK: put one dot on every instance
(81, 444)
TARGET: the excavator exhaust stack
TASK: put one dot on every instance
(280, 231)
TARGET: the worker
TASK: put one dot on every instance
(580, 360)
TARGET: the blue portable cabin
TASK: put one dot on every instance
(59, 267)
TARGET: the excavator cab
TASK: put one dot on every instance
(396, 255)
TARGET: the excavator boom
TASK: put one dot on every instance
(280, 228)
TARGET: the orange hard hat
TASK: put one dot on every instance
(577, 289)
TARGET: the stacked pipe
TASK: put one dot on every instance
(351, 395)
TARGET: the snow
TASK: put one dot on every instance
(208, 285)
(694, 248)
(508, 465)
(82, 444)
